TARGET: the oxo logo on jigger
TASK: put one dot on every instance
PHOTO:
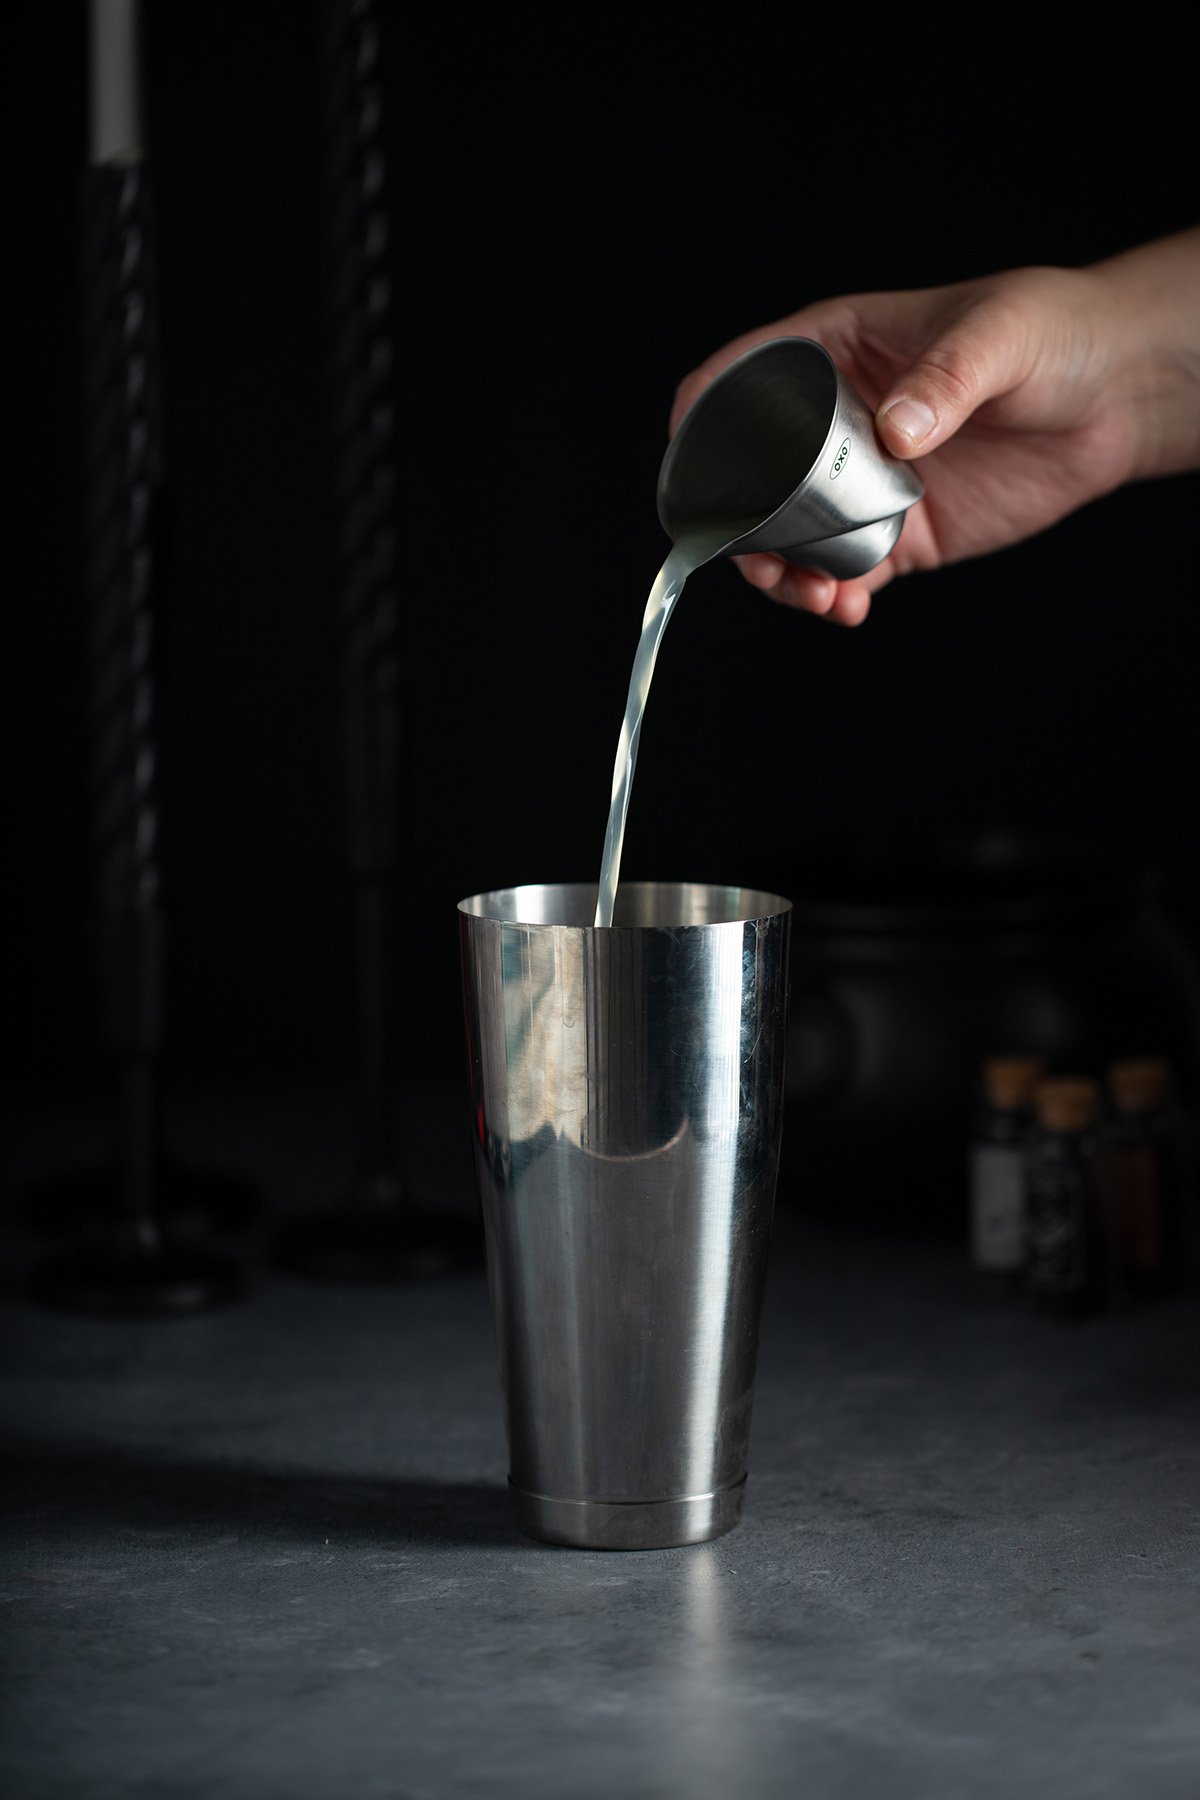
(839, 461)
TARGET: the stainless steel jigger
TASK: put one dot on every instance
(626, 1100)
(781, 448)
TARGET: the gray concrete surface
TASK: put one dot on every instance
(266, 1552)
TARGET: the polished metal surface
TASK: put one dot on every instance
(626, 1102)
(783, 448)
(625, 1525)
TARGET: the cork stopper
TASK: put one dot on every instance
(1008, 1081)
(1067, 1102)
(1139, 1084)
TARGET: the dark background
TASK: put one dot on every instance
(581, 214)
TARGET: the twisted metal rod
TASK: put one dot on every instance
(362, 339)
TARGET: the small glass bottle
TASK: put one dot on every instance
(1140, 1164)
(996, 1157)
(1072, 1268)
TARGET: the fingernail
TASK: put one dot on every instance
(911, 418)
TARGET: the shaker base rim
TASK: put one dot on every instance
(628, 1524)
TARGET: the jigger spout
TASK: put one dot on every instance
(782, 449)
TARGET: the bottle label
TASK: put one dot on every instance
(1139, 1209)
(1057, 1231)
(997, 1207)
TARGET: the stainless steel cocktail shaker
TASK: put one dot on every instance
(626, 1103)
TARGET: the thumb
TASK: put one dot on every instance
(936, 395)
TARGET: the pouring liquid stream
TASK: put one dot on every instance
(695, 546)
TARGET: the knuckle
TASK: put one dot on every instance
(954, 374)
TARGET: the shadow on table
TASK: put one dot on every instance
(83, 1489)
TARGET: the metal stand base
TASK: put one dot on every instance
(400, 1244)
(191, 1200)
(628, 1524)
(130, 1274)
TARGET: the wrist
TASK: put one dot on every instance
(1152, 297)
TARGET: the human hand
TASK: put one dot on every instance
(1024, 394)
